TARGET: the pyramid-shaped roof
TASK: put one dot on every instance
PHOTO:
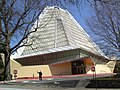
(58, 31)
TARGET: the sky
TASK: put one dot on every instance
(81, 16)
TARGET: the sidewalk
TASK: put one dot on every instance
(62, 77)
(71, 82)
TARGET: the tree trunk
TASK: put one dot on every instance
(7, 74)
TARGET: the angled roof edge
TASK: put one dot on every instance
(16, 56)
(78, 25)
(55, 50)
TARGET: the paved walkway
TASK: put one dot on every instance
(69, 76)
(71, 82)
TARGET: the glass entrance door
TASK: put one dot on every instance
(78, 67)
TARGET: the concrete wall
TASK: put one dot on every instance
(111, 65)
(100, 69)
(88, 64)
(31, 71)
(61, 69)
(58, 69)
(104, 68)
(14, 66)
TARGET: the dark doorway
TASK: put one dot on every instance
(78, 67)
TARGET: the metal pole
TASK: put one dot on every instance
(95, 80)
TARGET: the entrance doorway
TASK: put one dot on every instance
(78, 67)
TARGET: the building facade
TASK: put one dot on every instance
(60, 46)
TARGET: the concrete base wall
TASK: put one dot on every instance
(31, 71)
(64, 68)
(61, 69)
(47, 70)
(100, 69)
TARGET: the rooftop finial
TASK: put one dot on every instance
(56, 7)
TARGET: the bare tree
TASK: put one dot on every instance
(16, 19)
(105, 23)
